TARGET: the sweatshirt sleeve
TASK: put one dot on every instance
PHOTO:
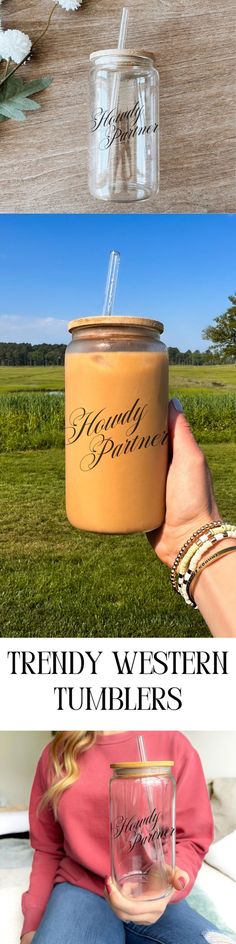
(47, 840)
(194, 823)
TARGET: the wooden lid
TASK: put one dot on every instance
(142, 765)
(123, 53)
(104, 321)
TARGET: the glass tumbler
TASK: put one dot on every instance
(124, 133)
(116, 385)
(142, 828)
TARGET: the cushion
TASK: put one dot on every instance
(15, 854)
(200, 902)
(222, 855)
(223, 805)
(219, 890)
(13, 822)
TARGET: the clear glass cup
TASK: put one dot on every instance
(116, 393)
(124, 134)
(142, 828)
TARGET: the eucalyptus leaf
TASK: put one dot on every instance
(36, 85)
(26, 104)
(10, 111)
(12, 87)
(15, 97)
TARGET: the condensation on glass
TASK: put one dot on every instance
(124, 133)
(142, 827)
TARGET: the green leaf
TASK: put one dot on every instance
(37, 85)
(11, 111)
(26, 103)
(14, 97)
(12, 87)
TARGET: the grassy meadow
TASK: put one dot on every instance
(23, 379)
(57, 581)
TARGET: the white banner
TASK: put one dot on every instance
(76, 684)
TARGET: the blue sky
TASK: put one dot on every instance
(179, 269)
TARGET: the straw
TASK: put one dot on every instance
(157, 841)
(121, 45)
(123, 28)
(112, 276)
(116, 80)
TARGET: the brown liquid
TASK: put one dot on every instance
(116, 442)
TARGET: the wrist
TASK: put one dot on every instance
(208, 576)
(186, 532)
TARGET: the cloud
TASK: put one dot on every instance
(33, 330)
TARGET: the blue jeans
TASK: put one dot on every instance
(76, 916)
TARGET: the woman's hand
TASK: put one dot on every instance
(27, 938)
(190, 500)
(140, 912)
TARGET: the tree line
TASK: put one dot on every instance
(51, 355)
(31, 355)
(222, 335)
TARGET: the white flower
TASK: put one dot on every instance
(14, 45)
(70, 4)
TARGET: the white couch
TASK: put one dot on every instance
(214, 892)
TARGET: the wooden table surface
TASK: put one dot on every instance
(43, 161)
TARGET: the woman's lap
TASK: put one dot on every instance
(179, 925)
(77, 916)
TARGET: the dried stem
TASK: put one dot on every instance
(5, 71)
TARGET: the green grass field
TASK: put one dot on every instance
(16, 379)
(36, 420)
(56, 581)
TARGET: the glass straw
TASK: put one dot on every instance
(123, 28)
(112, 276)
(157, 842)
(121, 45)
(116, 80)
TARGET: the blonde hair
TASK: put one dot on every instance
(63, 758)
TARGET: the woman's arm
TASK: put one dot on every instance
(214, 593)
(194, 822)
(47, 840)
(190, 503)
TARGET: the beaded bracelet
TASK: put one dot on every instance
(211, 540)
(184, 566)
(209, 536)
(188, 544)
(206, 563)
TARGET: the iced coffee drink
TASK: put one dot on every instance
(116, 425)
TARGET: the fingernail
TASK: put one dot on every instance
(108, 887)
(177, 405)
(181, 882)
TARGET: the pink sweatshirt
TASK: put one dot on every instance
(75, 848)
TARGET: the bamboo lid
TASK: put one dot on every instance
(116, 321)
(142, 764)
(123, 53)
